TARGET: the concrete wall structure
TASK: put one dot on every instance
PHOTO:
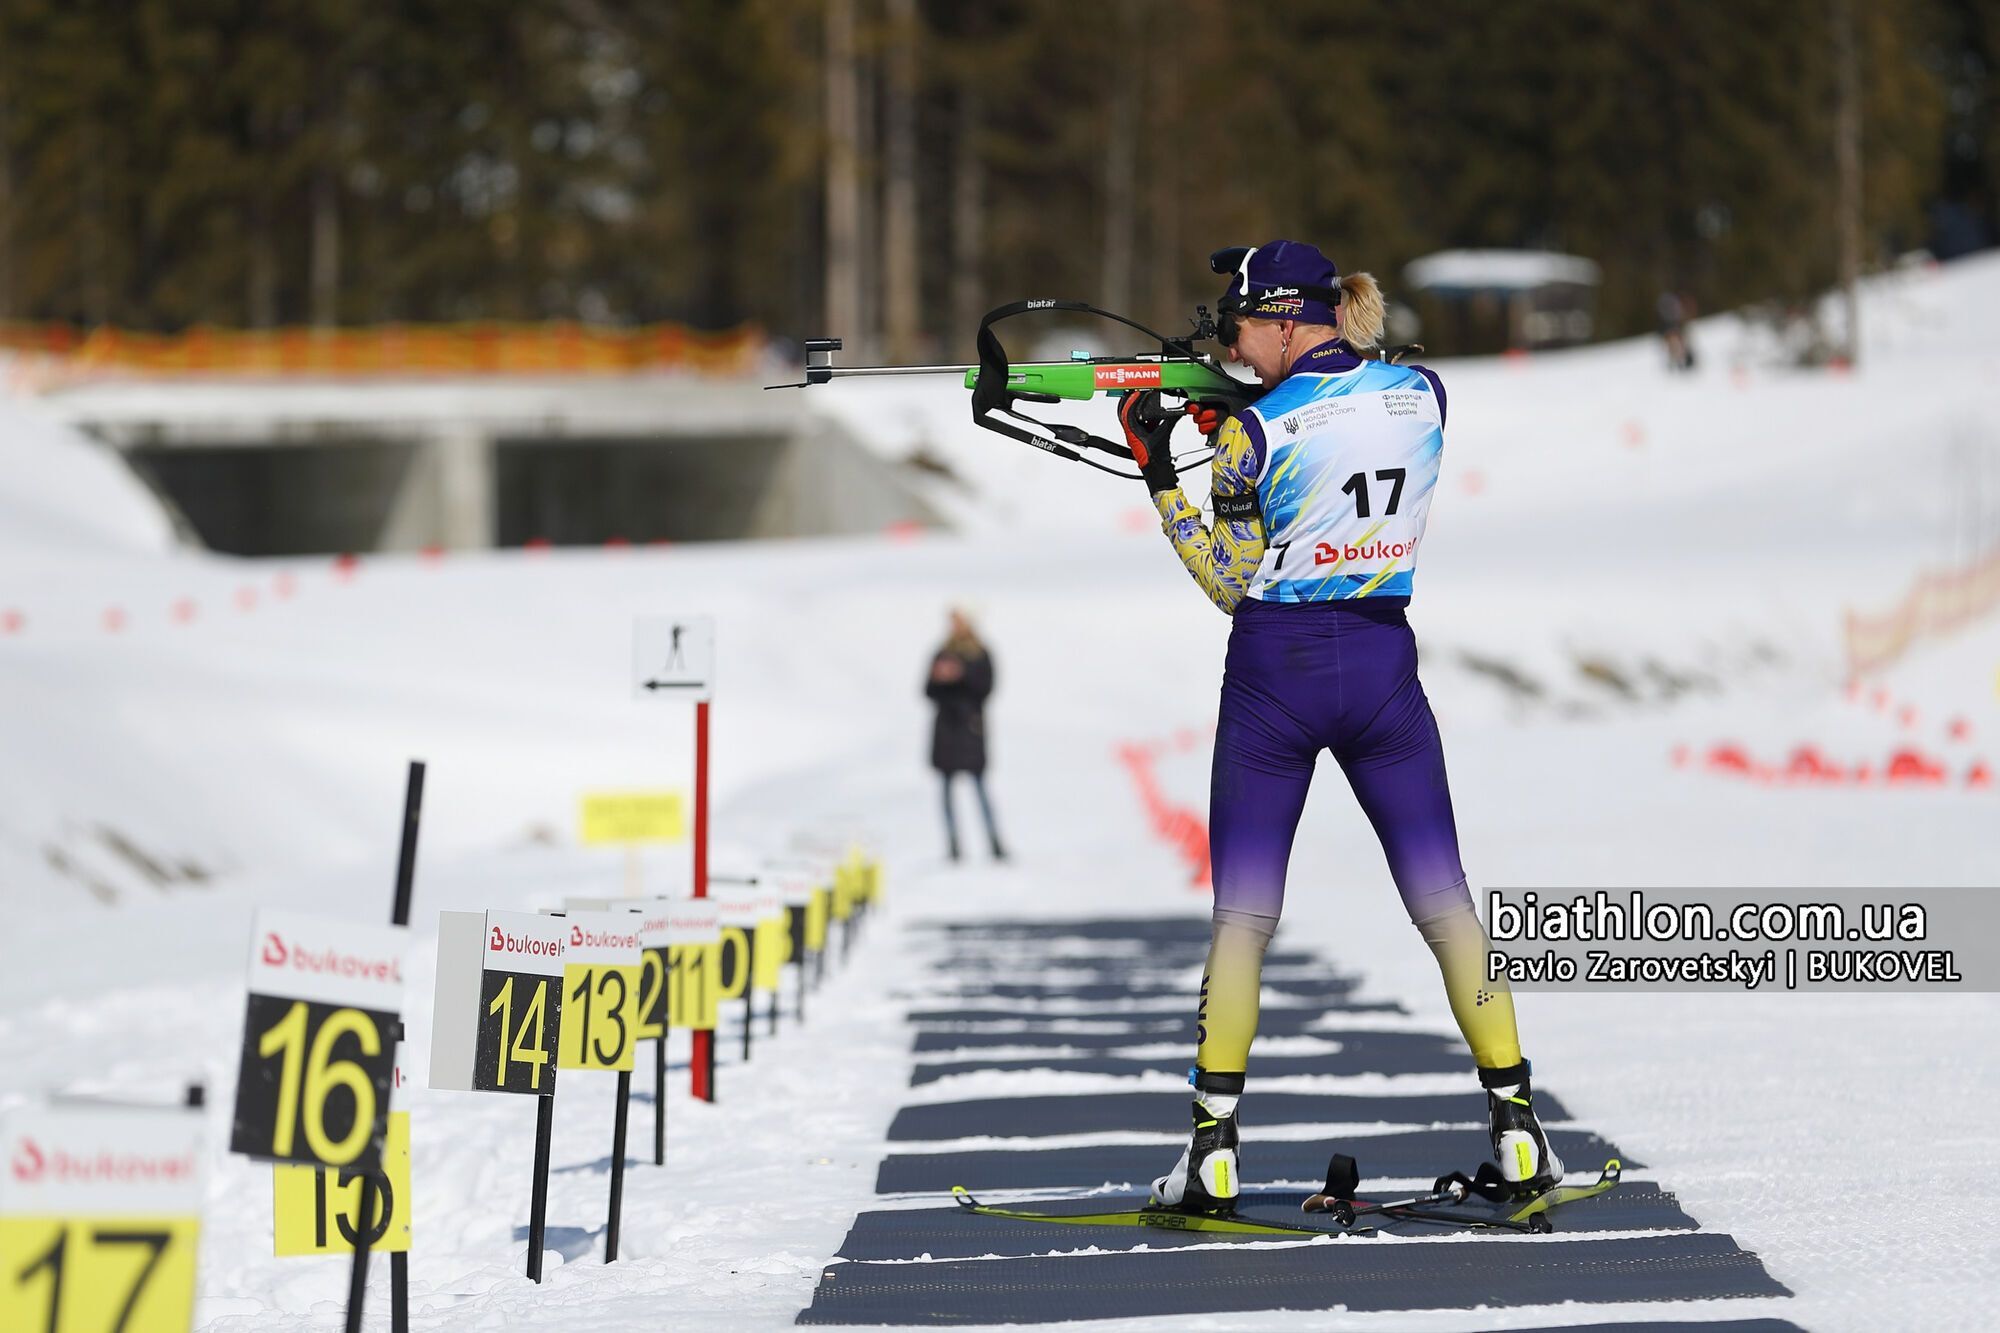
(277, 467)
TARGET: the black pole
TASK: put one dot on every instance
(538, 1204)
(399, 1292)
(660, 1098)
(749, 989)
(357, 1276)
(399, 915)
(406, 858)
(617, 1168)
(775, 998)
(802, 988)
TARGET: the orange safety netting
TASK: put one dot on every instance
(393, 349)
(1937, 604)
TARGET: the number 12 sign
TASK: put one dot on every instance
(319, 1040)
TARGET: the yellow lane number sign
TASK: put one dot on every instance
(99, 1217)
(601, 991)
(317, 1210)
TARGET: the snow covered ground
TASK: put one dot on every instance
(1619, 564)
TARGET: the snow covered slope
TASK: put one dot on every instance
(1619, 564)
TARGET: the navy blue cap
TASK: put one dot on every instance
(1279, 280)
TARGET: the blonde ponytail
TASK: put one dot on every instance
(1361, 311)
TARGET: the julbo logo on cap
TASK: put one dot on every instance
(1279, 279)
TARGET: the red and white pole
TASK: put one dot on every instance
(702, 1057)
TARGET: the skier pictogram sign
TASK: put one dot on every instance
(673, 657)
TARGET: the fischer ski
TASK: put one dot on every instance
(1528, 1214)
(1534, 1208)
(1164, 1219)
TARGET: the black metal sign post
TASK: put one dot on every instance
(749, 988)
(660, 1098)
(617, 1168)
(399, 1263)
(538, 1203)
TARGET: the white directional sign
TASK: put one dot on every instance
(673, 657)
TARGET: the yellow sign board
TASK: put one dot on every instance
(317, 1210)
(613, 817)
(75, 1274)
(817, 911)
(600, 1016)
(774, 950)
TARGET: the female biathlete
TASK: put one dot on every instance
(1320, 489)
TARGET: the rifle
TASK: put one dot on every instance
(998, 385)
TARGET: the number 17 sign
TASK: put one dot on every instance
(99, 1217)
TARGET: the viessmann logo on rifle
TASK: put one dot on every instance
(1128, 377)
(327, 962)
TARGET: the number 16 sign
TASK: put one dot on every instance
(319, 1040)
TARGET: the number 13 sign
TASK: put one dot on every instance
(319, 1040)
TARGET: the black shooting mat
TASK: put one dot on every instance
(1354, 1274)
(1181, 1031)
(1167, 1113)
(1124, 929)
(1359, 1053)
(951, 1232)
(1294, 988)
(1157, 965)
(1417, 1153)
(1099, 1012)
(1046, 1272)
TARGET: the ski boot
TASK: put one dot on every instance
(1527, 1164)
(1207, 1179)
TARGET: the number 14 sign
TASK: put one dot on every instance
(499, 1005)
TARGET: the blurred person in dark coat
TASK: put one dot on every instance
(961, 677)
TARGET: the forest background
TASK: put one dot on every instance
(888, 169)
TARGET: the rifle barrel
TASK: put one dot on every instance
(840, 371)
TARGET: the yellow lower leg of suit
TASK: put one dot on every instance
(1230, 985)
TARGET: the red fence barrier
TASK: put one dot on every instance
(1936, 604)
(54, 354)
